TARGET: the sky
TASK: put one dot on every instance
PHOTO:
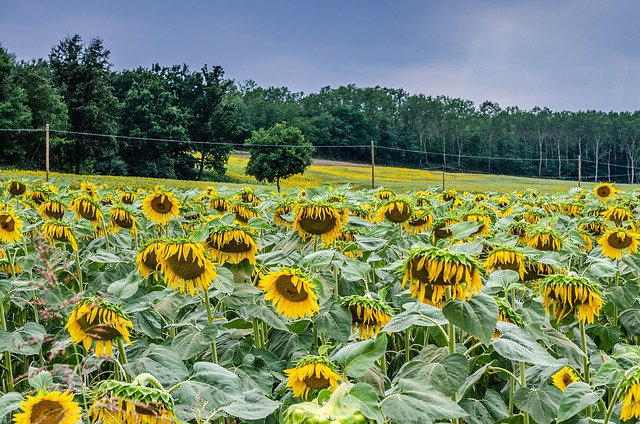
(572, 55)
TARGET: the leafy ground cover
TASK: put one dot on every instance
(324, 305)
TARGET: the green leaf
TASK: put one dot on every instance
(415, 316)
(477, 316)
(126, 287)
(575, 398)
(104, 257)
(320, 259)
(502, 279)
(471, 380)
(518, 346)
(353, 270)
(162, 362)
(608, 374)
(413, 402)
(447, 376)
(257, 224)
(27, 340)
(39, 379)
(264, 313)
(370, 244)
(541, 404)
(224, 280)
(189, 343)
(9, 402)
(334, 320)
(463, 230)
(357, 358)
(364, 397)
(255, 406)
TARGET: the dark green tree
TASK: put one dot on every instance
(278, 153)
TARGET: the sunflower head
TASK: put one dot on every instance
(247, 195)
(431, 271)
(564, 377)
(618, 240)
(310, 375)
(89, 189)
(52, 209)
(122, 402)
(16, 188)
(120, 218)
(506, 312)
(318, 219)
(630, 392)
(394, 210)
(244, 211)
(605, 191)
(449, 196)
(505, 257)
(384, 193)
(147, 259)
(544, 239)
(186, 266)
(563, 295)
(367, 314)
(88, 208)
(619, 214)
(128, 197)
(49, 408)
(100, 322)
(56, 230)
(232, 243)
(439, 228)
(291, 292)
(479, 215)
(161, 207)
(281, 209)
(39, 195)
(219, 203)
(6, 266)
(10, 226)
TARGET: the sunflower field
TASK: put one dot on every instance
(326, 305)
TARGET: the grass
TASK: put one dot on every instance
(337, 174)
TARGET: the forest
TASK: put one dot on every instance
(175, 122)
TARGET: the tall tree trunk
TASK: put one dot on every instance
(201, 164)
(278, 183)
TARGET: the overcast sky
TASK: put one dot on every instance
(563, 54)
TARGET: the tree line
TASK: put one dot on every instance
(76, 91)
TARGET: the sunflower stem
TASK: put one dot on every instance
(523, 384)
(585, 360)
(257, 339)
(6, 355)
(207, 304)
(612, 403)
(407, 345)
(146, 378)
(79, 268)
(79, 365)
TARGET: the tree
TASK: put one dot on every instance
(278, 153)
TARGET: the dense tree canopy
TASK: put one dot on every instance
(175, 122)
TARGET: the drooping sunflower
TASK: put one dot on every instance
(39, 195)
(586, 238)
(56, 230)
(605, 191)
(483, 217)
(88, 208)
(394, 210)
(161, 207)
(244, 211)
(544, 239)
(618, 215)
(219, 203)
(16, 187)
(128, 197)
(10, 226)
(232, 243)
(630, 391)
(118, 402)
(506, 257)
(594, 225)
(310, 375)
(563, 295)
(506, 314)
(122, 218)
(384, 193)
(572, 208)
(368, 315)
(6, 266)
(449, 196)
(564, 377)
(533, 216)
(186, 266)
(98, 321)
(318, 219)
(439, 228)
(291, 292)
(618, 240)
(52, 209)
(280, 210)
(89, 188)
(431, 270)
(147, 259)
(535, 270)
(49, 408)
(247, 195)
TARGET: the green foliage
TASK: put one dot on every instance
(278, 153)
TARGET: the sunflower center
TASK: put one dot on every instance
(47, 412)
(187, 267)
(17, 188)
(419, 222)
(567, 379)
(63, 236)
(151, 260)
(153, 409)
(618, 242)
(398, 213)
(53, 214)
(161, 204)
(7, 223)
(124, 221)
(317, 383)
(232, 246)
(603, 191)
(98, 330)
(88, 211)
(441, 233)
(289, 291)
(321, 224)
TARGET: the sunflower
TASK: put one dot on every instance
(605, 191)
(630, 389)
(186, 266)
(594, 226)
(147, 259)
(367, 314)
(505, 257)
(38, 196)
(118, 402)
(315, 219)
(10, 226)
(247, 195)
(232, 243)
(616, 240)
(571, 294)
(506, 314)
(128, 197)
(291, 291)
(161, 207)
(49, 408)
(86, 207)
(535, 270)
(564, 377)
(431, 270)
(89, 188)
(98, 321)
(533, 216)
(16, 188)
(618, 215)
(5, 266)
(480, 216)
(586, 238)
(545, 239)
(439, 228)
(56, 230)
(122, 218)
(278, 213)
(244, 211)
(219, 203)
(52, 209)
(449, 196)
(572, 208)
(385, 193)
(310, 375)
(394, 210)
